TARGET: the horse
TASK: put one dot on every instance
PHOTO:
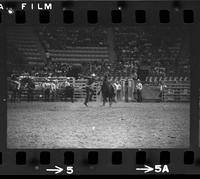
(46, 89)
(69, 93)
(15, 88)
(50, 90)
(28, 85)
(65, 91)
(108, 91)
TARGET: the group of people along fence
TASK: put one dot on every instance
(86, 88)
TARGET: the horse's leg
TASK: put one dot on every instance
(110, 101)
(104, 100)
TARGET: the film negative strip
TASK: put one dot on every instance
(99, 87)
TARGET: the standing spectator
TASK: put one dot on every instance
(135, 76)
(69, 90)
(118, 90)
(47, 90)
(67, 83)
(53, 91)
(30, 89)
(139, 91)
(162, 88)
(126, 90)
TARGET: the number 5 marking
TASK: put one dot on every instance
(70, 170)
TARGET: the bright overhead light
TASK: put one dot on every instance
(10, 11)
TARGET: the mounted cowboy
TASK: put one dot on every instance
(15, 87)
(107, 90)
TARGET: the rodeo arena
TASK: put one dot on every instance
(97, 87)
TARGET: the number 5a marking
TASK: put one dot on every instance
(159, 169)
(70, 170)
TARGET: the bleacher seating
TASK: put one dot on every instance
(26, 43)
(162, 51)
(76, 44)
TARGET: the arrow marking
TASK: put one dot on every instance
(56, 170)
(146, 169)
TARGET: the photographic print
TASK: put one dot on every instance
(98, 87)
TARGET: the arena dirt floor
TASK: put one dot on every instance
(72, 125)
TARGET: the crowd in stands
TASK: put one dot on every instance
(162, 51)
(53, 69)
(60, 38)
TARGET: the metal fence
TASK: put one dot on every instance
(177, 91)
(174, 91)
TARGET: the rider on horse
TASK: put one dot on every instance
(14, 86)
(107, 90)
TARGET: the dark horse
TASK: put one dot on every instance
(108, 91)
(69, 93)
(15, 89)
(29, 86)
